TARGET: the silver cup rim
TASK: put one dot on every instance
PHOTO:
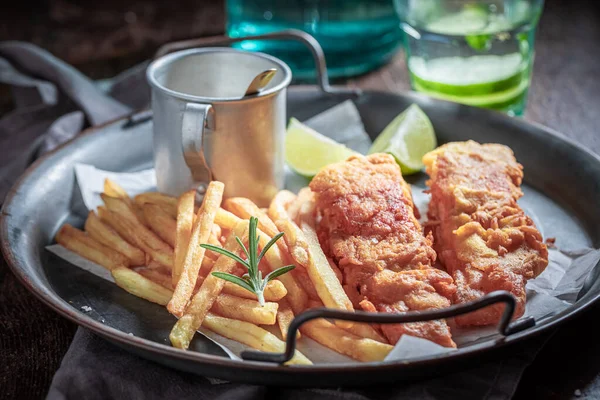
(170, 58)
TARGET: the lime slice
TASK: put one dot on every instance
(498, 100)
(468, 76)
(468, 20)
(408, 138)
(307, 151)
(475, 22)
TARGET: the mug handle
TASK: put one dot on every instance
(197, 120)
(289, 34)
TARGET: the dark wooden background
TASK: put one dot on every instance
(104, 38)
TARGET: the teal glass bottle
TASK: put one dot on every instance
(356, 35)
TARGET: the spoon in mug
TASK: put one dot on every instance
(260, 81)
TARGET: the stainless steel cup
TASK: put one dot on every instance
(204, 127)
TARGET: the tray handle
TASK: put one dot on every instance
(289, 34)
(505, 327)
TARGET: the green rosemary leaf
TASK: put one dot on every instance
(269, 245)
(227, 253)
(253, 246)
(234, 279)
(278, 272)
(243, 247)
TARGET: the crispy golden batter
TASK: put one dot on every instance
(368, 227)
(482, 236)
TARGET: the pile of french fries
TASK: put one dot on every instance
(151, 245)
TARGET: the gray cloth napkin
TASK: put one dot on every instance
(53, 102)
(95, 369)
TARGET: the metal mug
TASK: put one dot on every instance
(204, 127)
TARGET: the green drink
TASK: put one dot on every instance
(478, 53)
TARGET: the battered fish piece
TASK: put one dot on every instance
(368, 226)
(482, 236)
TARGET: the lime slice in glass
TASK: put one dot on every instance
(408, 138)
(468, 20)
(497, 100)
(475, 22)
(307, 151)
(468, 76)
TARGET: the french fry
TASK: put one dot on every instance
(183, 331)
(245, 208)
(285, 315)
(363, 330)
(344, 342)
(82, 244)
(161, 223)
(293, 237)
(185, 219)
(216, 231)
(366, 331)
(195, 254)
(132, 230)
(119, 206)
(152, 264)
(140, 286)
(306, 283)
(250, 335)
(104, 234)
(278, 208)
(226, 220)
(167, 203)
(156, 276)
(304, 195)
(274, 291)
(319, 270)
(139, 213)
(212, 239)
(242, 309)
(113, 189)
(207, 264)
(274, 258)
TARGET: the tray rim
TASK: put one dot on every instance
(59, 305)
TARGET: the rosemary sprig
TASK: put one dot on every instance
(252, 280)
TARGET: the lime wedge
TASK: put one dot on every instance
(307, 151)
(408, 138)
(468, 76)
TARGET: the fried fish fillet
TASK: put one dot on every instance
(368, 227)
(482, 236)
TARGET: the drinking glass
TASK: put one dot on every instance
(475, 52)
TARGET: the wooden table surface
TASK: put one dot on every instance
(564, 95)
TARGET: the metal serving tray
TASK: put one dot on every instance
(563, 204)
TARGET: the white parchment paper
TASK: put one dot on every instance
(553, 291)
